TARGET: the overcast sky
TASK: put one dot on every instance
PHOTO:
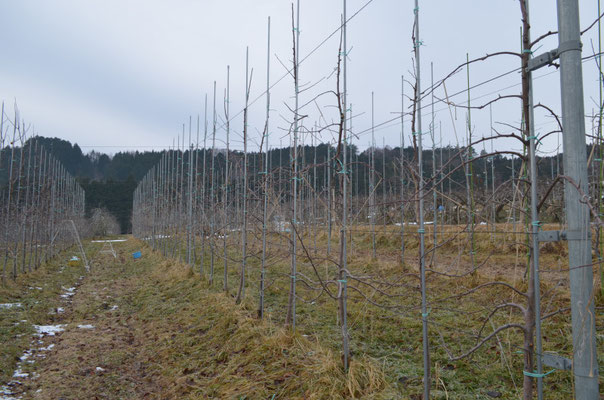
(121, 75)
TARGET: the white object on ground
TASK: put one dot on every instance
(50, 346)
(4, 306)
(69, 292)
(20, 374)
(49, 330)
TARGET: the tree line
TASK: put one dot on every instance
(110, 180)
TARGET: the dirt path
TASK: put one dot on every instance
(91, 353)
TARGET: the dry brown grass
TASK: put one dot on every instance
(171, 338)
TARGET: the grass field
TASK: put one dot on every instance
(161, 331)
(384, 313)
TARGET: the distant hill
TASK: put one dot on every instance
(98, 166)
(109, 181)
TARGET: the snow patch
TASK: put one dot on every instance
(69, 292)
(5, 306)
(20, 374)
(48, 348)
(58, 310)
(49, 330)
(6, 394)
(87, 326)
(26, 355)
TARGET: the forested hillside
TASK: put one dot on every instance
(109, 180)
(98, 166)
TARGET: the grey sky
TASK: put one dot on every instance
(118, 75)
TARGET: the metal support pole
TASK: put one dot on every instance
(190, 200)
(585, 364)
(328, 198)
(226, 179)
(291, 315)
(212, 174)
(535, 220)
(402, 170)
(203, 188)
(384, 210)
(241, 293)
(434, 195)
(372, 181)
(493, 210)
(266, 171)
(421, 231)
(343, 273)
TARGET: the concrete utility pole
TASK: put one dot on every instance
(585, 364)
